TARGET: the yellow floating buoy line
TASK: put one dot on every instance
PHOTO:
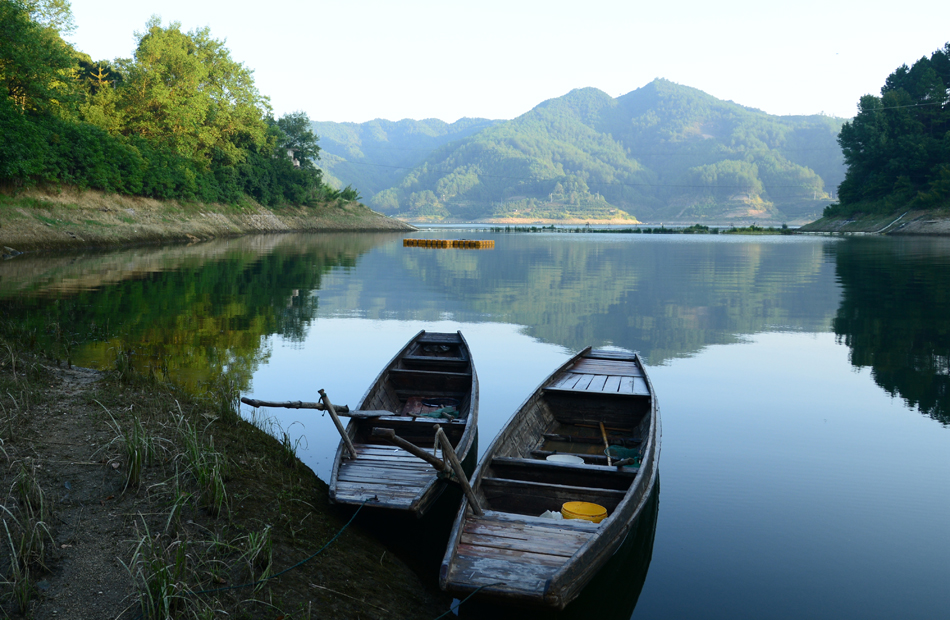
(459, 244)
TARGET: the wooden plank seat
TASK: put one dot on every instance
(613, 440)
(571, 474)
(430, 380)
(533, 498)
(439, 338)
(590, 459)
(605, 367)
(600, 354)
(420, 430)
(613, 384)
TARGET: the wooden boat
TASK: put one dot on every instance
(510, 551)
(433, 372)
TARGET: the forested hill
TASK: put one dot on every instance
(374, 156)
(663, 152)
(180, 120)
(898, 146)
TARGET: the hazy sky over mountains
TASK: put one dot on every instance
(355, 60)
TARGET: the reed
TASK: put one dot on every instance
(159, 574)
(259, 555)
(208, 467)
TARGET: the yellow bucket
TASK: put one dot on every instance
(584, 510)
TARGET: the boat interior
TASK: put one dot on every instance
(430, 383)
(565, 418)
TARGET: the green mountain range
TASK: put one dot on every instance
(376, 155)
(663, 152)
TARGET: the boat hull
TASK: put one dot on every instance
(512, 553)
(433, 372)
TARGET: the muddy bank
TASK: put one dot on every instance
(934, 222)
(125, 498)
(47, 220)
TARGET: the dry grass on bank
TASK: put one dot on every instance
(59, 218)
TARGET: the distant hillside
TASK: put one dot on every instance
(376, 155)
(663, 152)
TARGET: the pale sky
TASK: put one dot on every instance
(356, 60)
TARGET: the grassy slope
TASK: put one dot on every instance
(38, 219)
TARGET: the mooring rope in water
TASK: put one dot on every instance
(462, 602)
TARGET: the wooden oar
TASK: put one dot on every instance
(390, 435)
(603, 432)
(449, 451)
(296, 404)
(339, 425)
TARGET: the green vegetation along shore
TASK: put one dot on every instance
(180, 120)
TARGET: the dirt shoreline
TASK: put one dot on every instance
(65, 219)
(85, 543)
(934, 222)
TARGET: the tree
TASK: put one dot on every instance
(897, 148)
(184, 91)
(36, 65)
(55, 14)
(299, 138)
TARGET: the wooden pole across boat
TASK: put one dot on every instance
(339, 425)
(293, 404)
(390, 435)
(448, 451)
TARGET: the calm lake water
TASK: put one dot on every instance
(802, 381)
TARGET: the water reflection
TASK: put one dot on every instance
(194, 312)
(188, 312)
(895, 316)
(665, 297)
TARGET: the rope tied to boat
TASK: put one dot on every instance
(455, 607)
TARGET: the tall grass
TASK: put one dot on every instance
(159, 573)
(27, 536)
(208, 467)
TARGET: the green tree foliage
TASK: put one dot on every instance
(184, 91)
(35, 63)
(181, 120)
(897, 148)
(55, 14)
(299, 140)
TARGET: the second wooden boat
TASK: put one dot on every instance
(504, 548)
(430, 381)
